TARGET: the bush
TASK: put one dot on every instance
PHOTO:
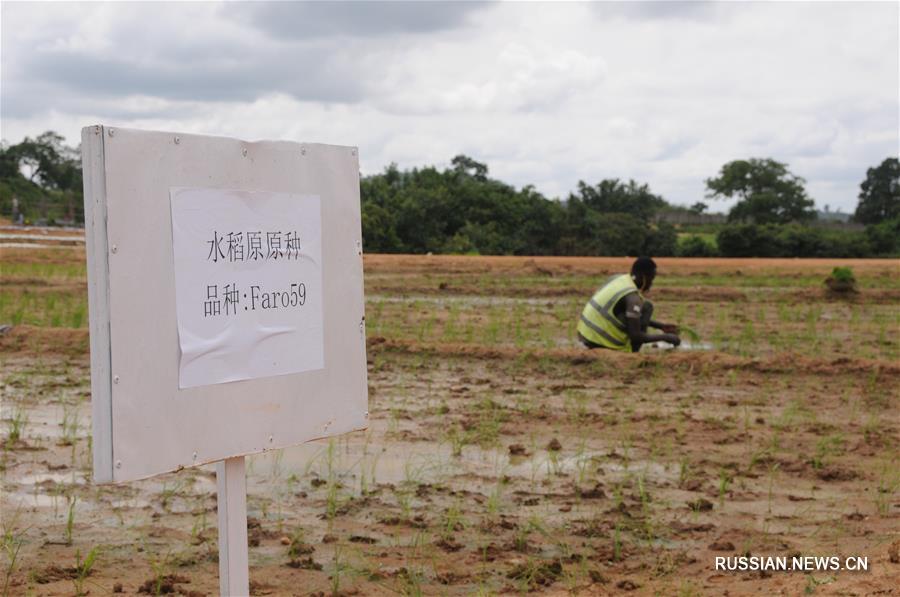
(791, 240)
(695, 246)
(802, 241)
(841, 280)
(619, 234)
(884, 238)
(661, 240)
(847, 244)
(749, 240)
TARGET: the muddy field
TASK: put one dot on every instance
(501, 458)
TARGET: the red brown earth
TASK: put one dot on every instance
(501, 457)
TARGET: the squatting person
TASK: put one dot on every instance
(618, 316)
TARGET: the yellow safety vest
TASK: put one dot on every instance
(598, 324)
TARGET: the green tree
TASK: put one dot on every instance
(613, 196)
(767, 192)
(45, 176)
(884, 237)
(465, 165)
(461, 209)
(457, 210)
(52, 164)
(879, 195)
(379, 229)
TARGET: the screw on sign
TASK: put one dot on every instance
(246, 321)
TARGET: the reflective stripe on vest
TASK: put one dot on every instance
(598, 324)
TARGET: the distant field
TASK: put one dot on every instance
(502, 457)
(709, 237)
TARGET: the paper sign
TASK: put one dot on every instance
(248, 284)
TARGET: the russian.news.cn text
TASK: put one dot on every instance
(791, 564)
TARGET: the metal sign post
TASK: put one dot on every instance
(231, 484)
(227, 316)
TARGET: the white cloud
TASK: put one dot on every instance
(544, 93)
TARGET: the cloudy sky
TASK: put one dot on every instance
(545, 93)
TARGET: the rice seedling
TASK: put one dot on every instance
(492, 330)
(414, 472)
(577, 406)
(642, 492)
(412, 582)
(451, 329)
(16, 425)
(160, 565)
(457, 438)
(425, 329)
(367, 467)
(70, 520)
(574, 575)
(403, 493)
(690, 332)
(11, 542)
(684, 471)
(617, 543)
(582, 464)
(554, 464)
(200, 524)
(337, 570)
(773, 469)
(77, 316)
(825, 448)
(725, 480)
(83, 568)
(452, 520)
(169, 492)
(688, 588)
(888, 486)
(525, 403)
(812, 582)
(69, 425)
(494, 501)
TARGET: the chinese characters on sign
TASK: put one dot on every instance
(231, 299)
(248, 284)
(231, 246)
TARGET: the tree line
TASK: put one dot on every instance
(461, 209)
(40, 179)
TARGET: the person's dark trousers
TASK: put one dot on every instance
(588, 343)
(646, 316)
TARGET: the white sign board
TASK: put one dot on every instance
(226, 297)
(248, 284)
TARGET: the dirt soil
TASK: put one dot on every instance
(501, 457)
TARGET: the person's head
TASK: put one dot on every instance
(643, 271)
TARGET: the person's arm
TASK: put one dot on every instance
(669, 328)
(633, 325)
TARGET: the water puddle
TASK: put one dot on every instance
(466, 299)
(30, 246)
(35, 500)
(683, 346)
(57, 420)
(419, 463)
(345, 461)
(71, 477)
(41, 237)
